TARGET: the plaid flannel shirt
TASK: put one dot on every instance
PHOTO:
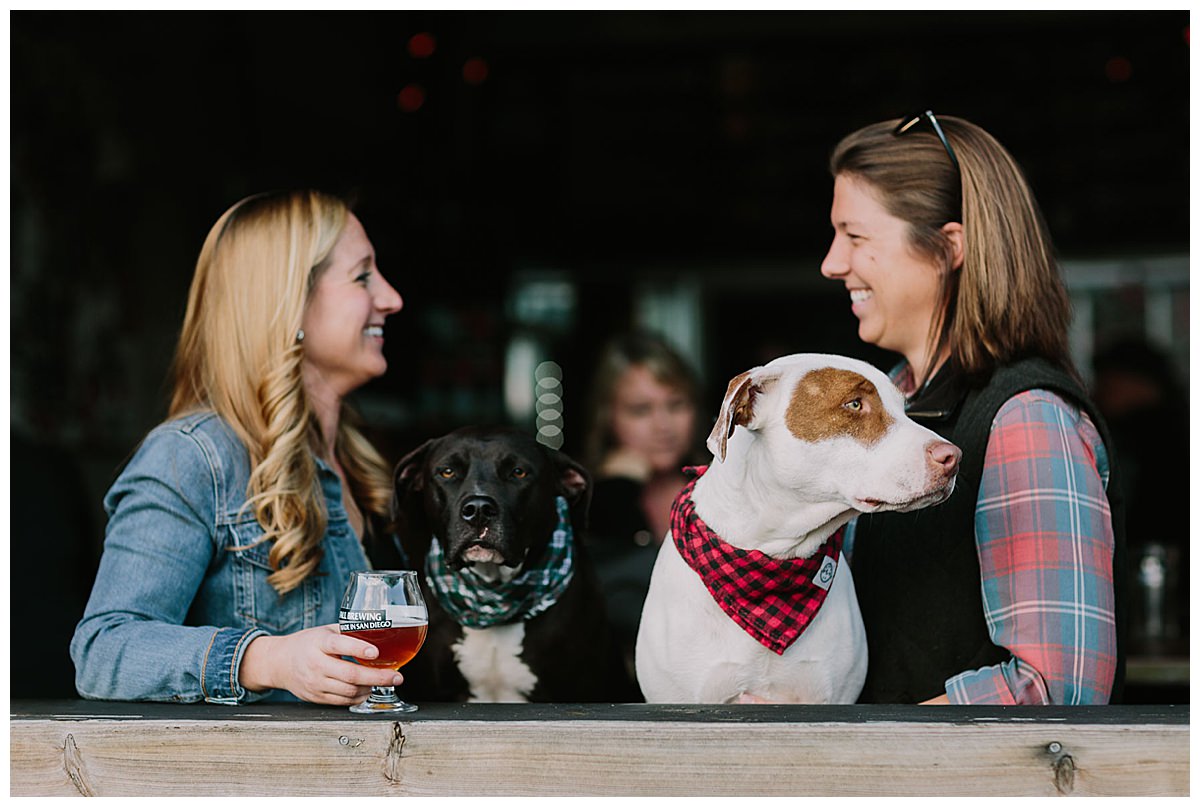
(1044, 533)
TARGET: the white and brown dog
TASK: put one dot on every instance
(754, 600)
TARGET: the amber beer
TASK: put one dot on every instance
(397, 645)
(385, 609)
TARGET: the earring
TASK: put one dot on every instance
(300, 335)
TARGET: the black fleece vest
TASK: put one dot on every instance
(917, 574)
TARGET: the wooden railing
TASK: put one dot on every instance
(127, 749)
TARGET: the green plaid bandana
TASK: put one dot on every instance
(478, 603)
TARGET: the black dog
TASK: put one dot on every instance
(515, 609)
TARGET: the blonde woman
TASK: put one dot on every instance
(234, 526)
(1010, 591)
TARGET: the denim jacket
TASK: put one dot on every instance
(173, 608)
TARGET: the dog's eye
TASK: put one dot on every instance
(446, 473)
(854, 405)
(519, 473)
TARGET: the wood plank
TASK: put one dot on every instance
(609, 750)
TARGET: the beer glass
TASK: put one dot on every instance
(387, 610)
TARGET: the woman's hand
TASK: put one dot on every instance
(307, 664)
(626, 462)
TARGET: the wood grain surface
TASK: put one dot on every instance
(467, 749)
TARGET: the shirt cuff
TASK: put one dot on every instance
(991, 685)
(222, 660)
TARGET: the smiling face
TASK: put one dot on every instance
(343, 321)
(652, 419)
(893, 291)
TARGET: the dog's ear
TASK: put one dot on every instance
(407, 478)
(574, 484)
(409, 523)
(738, 407)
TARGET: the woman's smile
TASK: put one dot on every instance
(893, 291)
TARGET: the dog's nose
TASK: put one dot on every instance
(944, 456)
(478, 508)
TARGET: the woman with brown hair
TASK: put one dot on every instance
(1008, 592)
(235, 525)
(642, 418)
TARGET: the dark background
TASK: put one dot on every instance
(602, 149)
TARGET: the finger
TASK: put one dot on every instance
(346, 690)
(343, 644)
(363, 675)
(335, 699)
(338, 668)
(332, 686)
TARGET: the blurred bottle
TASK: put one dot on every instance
(1140, 392)
(1154, 628)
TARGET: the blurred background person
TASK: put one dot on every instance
(1145, 404)
(642, 430)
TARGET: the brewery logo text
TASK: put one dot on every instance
(362, 620)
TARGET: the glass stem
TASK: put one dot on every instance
(383, 694)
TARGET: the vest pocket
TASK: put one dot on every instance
(256, 601)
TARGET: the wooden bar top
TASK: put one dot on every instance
(151, 749)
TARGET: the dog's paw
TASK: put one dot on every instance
(747, 697)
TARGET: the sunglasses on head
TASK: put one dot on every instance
(912, 120)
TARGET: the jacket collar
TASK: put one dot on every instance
(941, 396)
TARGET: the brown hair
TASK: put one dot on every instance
(637, 348)
(1008, 300)
(238, 355)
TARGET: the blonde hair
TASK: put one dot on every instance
(1008, 300)
(239, 356)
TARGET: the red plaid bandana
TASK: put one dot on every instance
(772, 600)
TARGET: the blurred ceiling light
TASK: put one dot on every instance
(1118, 68)
(411, 98)
(421, 46)
(475, 71)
